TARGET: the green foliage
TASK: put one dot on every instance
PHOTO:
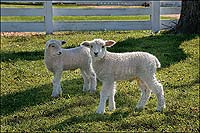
(26, 103)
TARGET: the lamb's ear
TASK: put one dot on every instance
(47, 44)
(86, 43)
(109, 43)
(63, 42)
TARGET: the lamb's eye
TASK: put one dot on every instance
(52, 46)
(103, 46)
(91, 46)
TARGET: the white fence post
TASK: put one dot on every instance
(48, 18)
(155, 16)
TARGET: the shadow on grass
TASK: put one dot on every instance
(93, 117)
(14, 56)
(185, 86)
(166, 47)
(37, 95)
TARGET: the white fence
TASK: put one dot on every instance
(49, 26)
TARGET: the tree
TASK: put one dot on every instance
(189, 21)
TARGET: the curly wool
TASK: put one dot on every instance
(58, 60)
(124, 66)
(70, 59)
(111, 67)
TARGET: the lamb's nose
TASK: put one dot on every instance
(95, 53)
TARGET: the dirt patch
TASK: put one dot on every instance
(22, 33)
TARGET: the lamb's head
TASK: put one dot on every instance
(53, 47)
(98, 47)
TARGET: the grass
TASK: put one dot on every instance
(71, 18)
(27, 106)
(77, 18)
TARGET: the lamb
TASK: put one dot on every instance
(58, 60)
(111, 67)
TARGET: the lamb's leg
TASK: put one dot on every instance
(92, 79)
(145, 94)
(112, 92)
(104, 94)
(57, 90)
(85, 80)
(157, 88)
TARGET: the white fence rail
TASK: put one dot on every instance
(101, 12)
(49, 26)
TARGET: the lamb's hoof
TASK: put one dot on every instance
(111, 109)
(160, 109)
(84, 90)
(92, 91)
(55, 96)
(100, 111)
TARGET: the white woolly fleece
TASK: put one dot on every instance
(58, 60)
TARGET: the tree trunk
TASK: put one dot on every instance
(189, 21)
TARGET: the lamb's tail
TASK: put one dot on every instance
(157, 63)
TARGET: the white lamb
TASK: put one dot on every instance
(58, 60)
(111, 67)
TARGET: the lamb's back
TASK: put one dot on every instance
(123, 66)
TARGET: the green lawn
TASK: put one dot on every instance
(27, 106)
(78, 18)
(71, 18)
